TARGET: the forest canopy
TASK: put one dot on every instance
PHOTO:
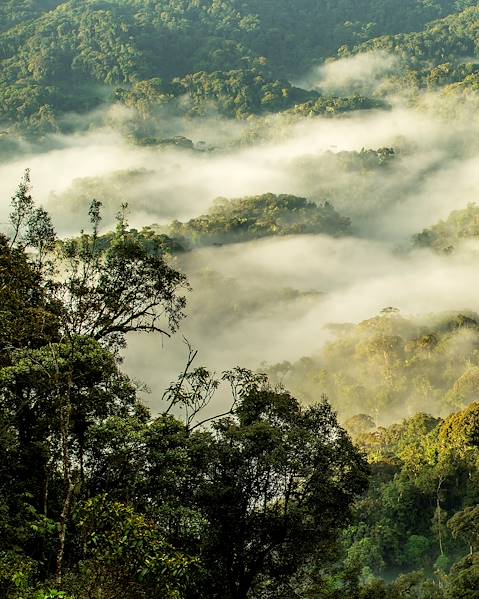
(273, 394)
(392, 364)
(447, 235)
(96, 492)
(57, 57)
(244, 219)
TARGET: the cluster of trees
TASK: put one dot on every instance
(420, 515)
(13, 12)
(244, 219)
(439, 56)
(238, 93)
(447, 235)
(331, 105)
(315, 30)
(360, 183)
(57, 57)
(237, 220)
(450, 38)
(391, 364)
(100, 498)
(418, 524)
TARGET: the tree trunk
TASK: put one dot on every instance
(439, 518)
(65, 410)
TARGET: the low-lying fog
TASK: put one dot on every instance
(268, 301)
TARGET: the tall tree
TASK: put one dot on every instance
(279, 481)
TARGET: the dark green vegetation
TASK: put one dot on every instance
(420, 513)
(440, 56)
(57, 57)
(236, 93)
(244, 219)
(235, 488)
(447, 236)
(239, 220)
(328, 106)
(96, 495)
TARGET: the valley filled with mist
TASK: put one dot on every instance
(239, 274)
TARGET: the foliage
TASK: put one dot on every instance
(419, 468)
(120, 287)
(267, 498)
(448, 235)
(329, 106)
(228, 221)
(237, 93)
(248, 218)
(278, 474)
(96, 496)
(437, 57)
(58, 57)
(125, 550)
(392, 363)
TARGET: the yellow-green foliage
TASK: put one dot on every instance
(392, 365)
(421, 510)
(447, 235)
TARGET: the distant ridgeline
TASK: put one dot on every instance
(392, 365)
(239, 220)
(447, 235)
(440, 56)
(61, 57)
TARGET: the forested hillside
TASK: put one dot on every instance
(448, 235)
(239, 341)
(391, 365)
(441, 55)
(58, 57)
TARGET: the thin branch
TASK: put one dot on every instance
(228, 413)
(191, 358)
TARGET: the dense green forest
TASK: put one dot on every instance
(440, 56)
(95, 492)
(252, 218)
(58, 57)
(239, 342)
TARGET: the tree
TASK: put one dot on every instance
(125, 550)
(58, 375)
(51, 396)
(464, 579)
(464, 525)
(282, 477)
(122, 288)
(360, 424)
(31, 226)
(29, 317)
